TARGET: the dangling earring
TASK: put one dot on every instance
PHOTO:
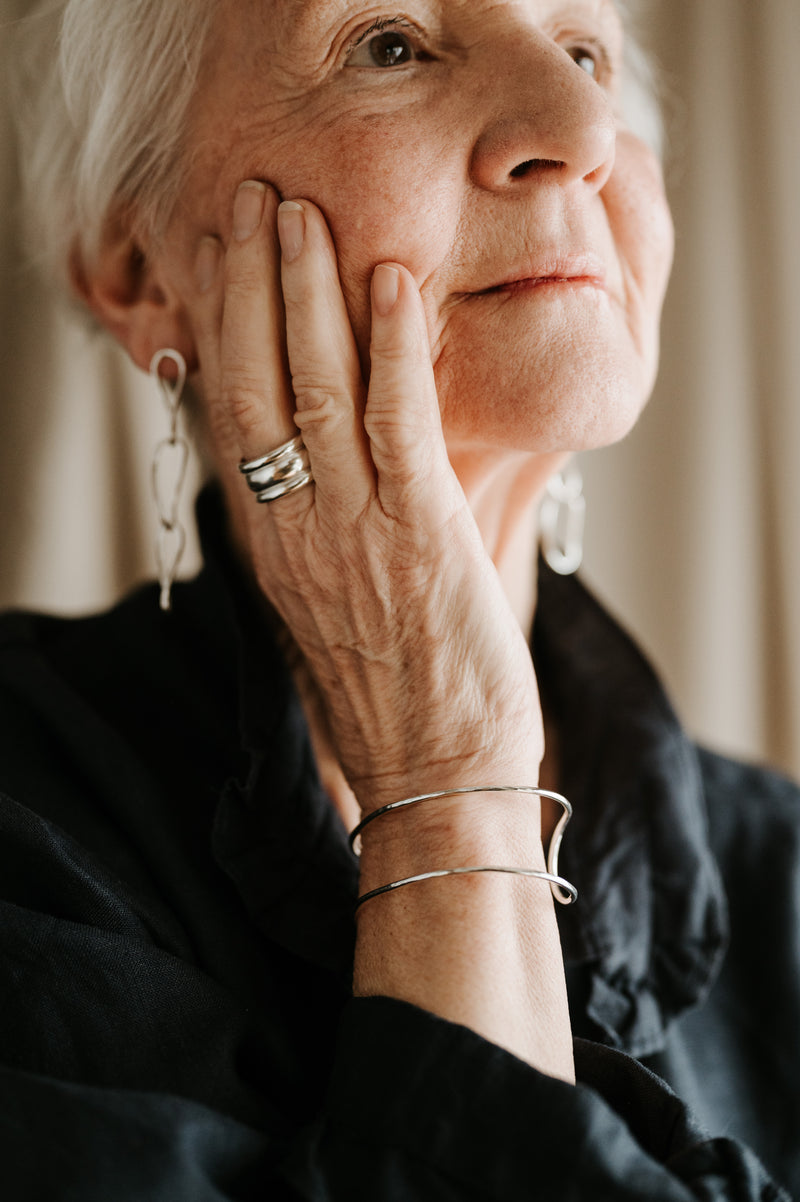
(168, 472)
(561, 519)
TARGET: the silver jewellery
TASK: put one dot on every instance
(561, 520)
(555, 881)
(282, 471)
(563, 891)
(168, 472)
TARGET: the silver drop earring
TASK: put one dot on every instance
(561, 520)
(168, 472)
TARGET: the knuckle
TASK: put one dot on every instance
(244, 277)
(393, 353)
(315, 410)
(243, 400)
(392, 423)
(313, 379)
(316, 396)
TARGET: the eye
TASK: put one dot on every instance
(589, 58)
(383, 47)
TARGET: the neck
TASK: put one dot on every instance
(503, 492)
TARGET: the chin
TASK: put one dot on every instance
(544, 403)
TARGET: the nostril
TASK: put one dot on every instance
(532, 165)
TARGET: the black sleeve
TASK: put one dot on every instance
(454, 1119)
(423, 1109)
(418, 1110)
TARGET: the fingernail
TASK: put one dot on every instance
(291, 229)
(207, 263)
(247, 209)
(385, 288)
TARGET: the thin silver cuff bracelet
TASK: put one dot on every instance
(562, 890)
(556, 882)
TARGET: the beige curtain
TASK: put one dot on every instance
(693, 533)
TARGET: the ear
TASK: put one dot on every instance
(128, 294)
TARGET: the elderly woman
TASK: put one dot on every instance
(410, 261)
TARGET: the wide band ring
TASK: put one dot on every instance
(279, 472)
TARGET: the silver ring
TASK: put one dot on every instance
(279, 472)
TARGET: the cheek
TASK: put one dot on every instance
(642, 230)
(640, 220)
(395, 200)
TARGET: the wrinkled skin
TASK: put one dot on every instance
(467, 289)
(421, 164)
(480, 146)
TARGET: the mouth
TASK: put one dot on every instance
(576, 273)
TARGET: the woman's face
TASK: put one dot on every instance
(479, 143)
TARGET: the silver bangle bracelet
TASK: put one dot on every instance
(558, 833)
(562, 890)
(556, 882)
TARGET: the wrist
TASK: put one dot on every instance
(470, 828)
(517, 765)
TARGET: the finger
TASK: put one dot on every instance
(415, 481)
(326, 374)
(206, 317)
(254, 389)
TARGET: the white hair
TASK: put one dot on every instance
(642, 87)
(104, 89)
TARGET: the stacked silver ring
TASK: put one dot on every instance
(282, 471)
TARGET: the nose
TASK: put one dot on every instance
(549, 119)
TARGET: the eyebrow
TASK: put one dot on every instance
(299, 14)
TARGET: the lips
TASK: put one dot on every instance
(577, 271)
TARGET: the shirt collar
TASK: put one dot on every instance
(650, 924)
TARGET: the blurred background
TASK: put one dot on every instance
(693, 523)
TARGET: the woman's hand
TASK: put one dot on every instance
(380, 574)
(377, 569)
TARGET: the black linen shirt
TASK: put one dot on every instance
(176, 939)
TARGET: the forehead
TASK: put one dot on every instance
(288, 17)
